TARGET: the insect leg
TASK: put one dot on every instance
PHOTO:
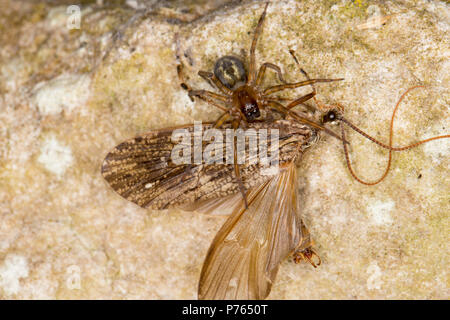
(211, 78)
(262, 71)
(307, 254)
(305, 251)
(252, 67)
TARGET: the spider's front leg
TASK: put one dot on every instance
(235, 119)
(258, 30)
(262, 71)
(210, 97)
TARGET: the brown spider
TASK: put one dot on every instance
(242, 97)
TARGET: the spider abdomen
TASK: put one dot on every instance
(231, 72)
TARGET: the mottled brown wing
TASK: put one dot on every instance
(141, 169)
(243, 259)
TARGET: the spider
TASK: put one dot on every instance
(241, 95)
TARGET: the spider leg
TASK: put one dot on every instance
(280, 76)
(292, 52)
(322, 107)
(237, 173)
(209, 94)
(204, 75)
(209, 97)
(301, 100)
(226, 116)
(283, 110)
(213, 81)
(277, 88)
(284, 99)
(202, 94)
(319, 104)
(252, 66)
(262, 71)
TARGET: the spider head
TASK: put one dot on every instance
(247, 103)
(251, 111)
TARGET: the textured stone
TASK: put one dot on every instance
(65, 234)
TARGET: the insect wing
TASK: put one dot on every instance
(216, 206)
(243, 259)
(142, 171)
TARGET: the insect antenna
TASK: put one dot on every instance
(389, 146)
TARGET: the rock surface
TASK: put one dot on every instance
(68, 96)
